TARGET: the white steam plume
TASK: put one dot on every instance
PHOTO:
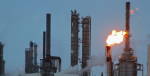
(93, 61)
(70, 70)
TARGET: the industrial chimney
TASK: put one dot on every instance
(48, 34)
(127, 39)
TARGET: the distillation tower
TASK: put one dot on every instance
(86, 42)
(75, 40)
(30, 65)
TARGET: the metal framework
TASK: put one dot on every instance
(2, 62)
(50, 65)
(86, 41)
(74, 37)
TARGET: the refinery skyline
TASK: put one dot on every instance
(21, 23)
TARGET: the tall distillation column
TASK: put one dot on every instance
(86, 42)
(74, 37)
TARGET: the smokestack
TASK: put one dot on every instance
(108, 51)
(48, 32)
(44, 45)
(109, 61)
(127, 39)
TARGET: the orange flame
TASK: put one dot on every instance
(136, 9)
(115, 37)
(131, 11)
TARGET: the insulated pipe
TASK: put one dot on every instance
(44, 45)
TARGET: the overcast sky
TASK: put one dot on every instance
(22, 21)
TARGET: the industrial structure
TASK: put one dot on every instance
(2, 62)
(49, 64)
(30, 65)
(127, 65)
(109, 61)
(74, 38)
(86, 40)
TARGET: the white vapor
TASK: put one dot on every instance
(70, 70)
(93, 61)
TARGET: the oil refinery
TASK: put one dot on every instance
(52, 65)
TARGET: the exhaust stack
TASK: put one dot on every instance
(48, 32)
(109, 61)
(127, 39)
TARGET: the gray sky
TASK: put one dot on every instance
(23, 21)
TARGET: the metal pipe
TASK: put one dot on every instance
(48, 34)
(44, 45)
